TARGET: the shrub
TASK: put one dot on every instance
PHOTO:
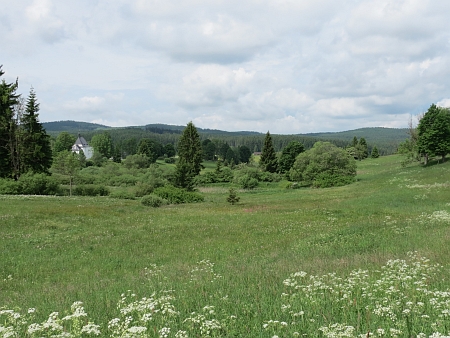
(137, 161)
(9, 187)
(269, 177)
(91, 190)
(30, 184)
(225, 175)
(122, 194)
(177, 195)
(37, 184)
(143, 189)
(169, 160)
(248, 182)
(324, 163)
(123, 180)
(153, 201)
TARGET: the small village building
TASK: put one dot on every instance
(82, 145)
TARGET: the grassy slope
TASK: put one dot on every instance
(59, 250)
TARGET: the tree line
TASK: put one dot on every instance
(24, 143)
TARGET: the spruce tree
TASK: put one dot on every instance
(375, 153)
(268, 160)
(8, 126)
(190, 149)
(288, 155)
(36, 152)
(362, 144)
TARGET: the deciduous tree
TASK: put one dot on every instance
(102, 144)
(324, 165)
(64, 141)
(433, 133)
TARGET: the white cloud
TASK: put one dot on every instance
(444, 103)
(287, 66)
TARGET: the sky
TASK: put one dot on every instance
(284, 66)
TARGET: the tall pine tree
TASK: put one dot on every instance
(268, 160)
(8, 126)
(35, 149)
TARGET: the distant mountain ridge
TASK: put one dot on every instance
(70, 126)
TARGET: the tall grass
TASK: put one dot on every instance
(231, 260)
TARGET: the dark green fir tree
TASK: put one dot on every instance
(268, 160)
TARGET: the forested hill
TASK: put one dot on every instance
(72, 126)
(385, 139)
(370, 134)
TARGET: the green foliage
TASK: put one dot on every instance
(67, 163)
(169, 150)
(268, 160)
(190, 150)
(184, 175)
(35, 151)
(102, 144)
(208, 150)
(149, 148)
(245, 154)
(9, 100)
(375, 153)
(170, 160)
(124, 180)
(326, 163)
(176, 195)
(225, 174)
(248, 182)
(288, 155)
(434, 132)
(231, 267)
(91, 190)
(232, 197)
(153, 201)
(122, 194)
(64, 141)
(30, 184)
(138, 161)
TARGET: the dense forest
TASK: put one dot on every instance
(385, 139)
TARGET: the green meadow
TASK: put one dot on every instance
(215, 269)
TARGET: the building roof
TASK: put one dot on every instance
(81, 141)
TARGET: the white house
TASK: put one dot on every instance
(81, 144)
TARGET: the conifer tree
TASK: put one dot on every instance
(362, 145)
(288, 155)
(190, 149)
(36, 152)
(268, 160)
(8, 126)
(375, 153)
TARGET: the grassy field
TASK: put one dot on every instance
(213, 269)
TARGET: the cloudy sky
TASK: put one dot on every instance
(288, 66)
